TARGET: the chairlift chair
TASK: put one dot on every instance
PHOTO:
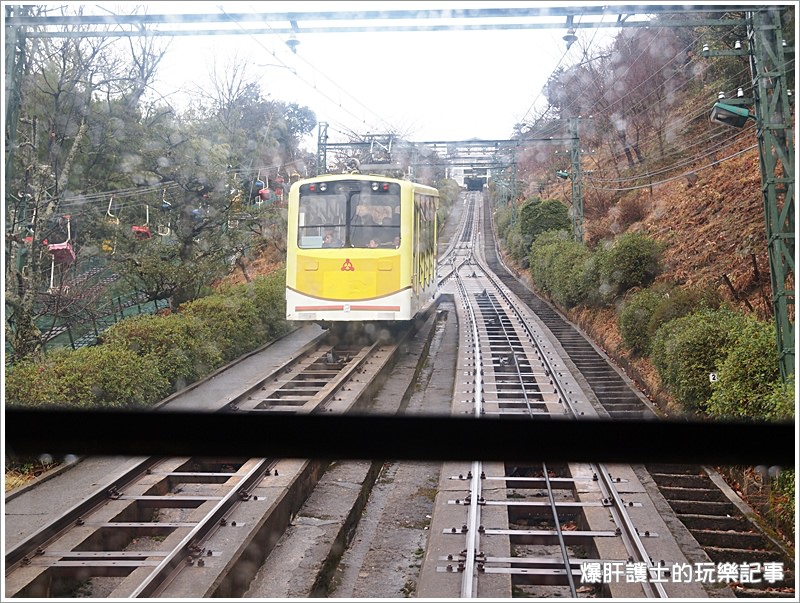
(165, 205)
(108, 245)
(143, 232)
(162, 230)
(112, 219)
(62, 254)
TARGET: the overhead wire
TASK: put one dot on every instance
(600, 75)
(316, 71)
(682, 118)
(683, 161)
(676, 74)
(683, 175)
(717, 147)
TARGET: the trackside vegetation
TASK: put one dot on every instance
(713, 360)
(141, 360)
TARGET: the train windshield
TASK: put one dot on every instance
(349, 215)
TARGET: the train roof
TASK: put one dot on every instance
(360, 176)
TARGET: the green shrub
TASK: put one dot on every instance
(269, 296)
(631, 261)
(747, 374)
(142, 358)
(685, 351)
(178, 344)
(543, 255)
(502, 221)
(781, 402)
(240, 318)
(517, 245)
(32, 382)
(567, 277)
(598, 292)
(536, 217)
(232, 322)
(645, 311)
(94, 377)
(680, 302)
(634, 319)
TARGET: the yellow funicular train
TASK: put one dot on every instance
(361, 249)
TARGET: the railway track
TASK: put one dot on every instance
(137, 535)
(528, 528)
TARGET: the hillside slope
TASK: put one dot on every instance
(713, 226)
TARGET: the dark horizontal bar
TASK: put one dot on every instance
(83, 432)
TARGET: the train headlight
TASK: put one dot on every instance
(380, 186)
(323, 186)
(375, 186)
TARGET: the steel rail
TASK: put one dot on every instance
(565, 556)
(520, 378)
(507, 295)
(55, 529)
(174, 561)
(324, 395)
(628, 532)
(172, 564)
(468, 585)
(50, 532)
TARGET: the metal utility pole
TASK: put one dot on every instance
(577, 180)
(776, 155)
(322, 148)
(14, 67)
(514, 183)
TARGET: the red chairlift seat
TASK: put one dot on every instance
(62, 252)
(141, 232)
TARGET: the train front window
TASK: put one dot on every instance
(349, 215)
(321, 220)
(375, 219)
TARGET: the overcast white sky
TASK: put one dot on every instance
(447, 85)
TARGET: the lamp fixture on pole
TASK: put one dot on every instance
(570, 38)
(292, 43)
(730, 115)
